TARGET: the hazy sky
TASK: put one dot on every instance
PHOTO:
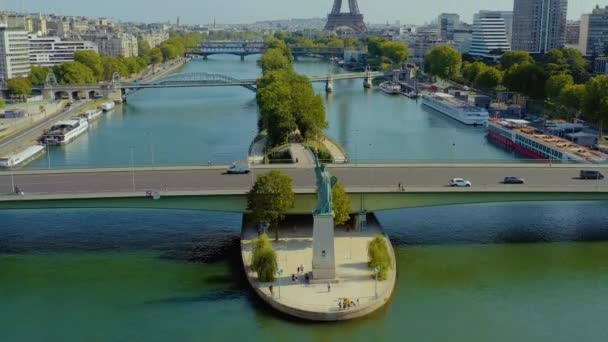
(246, 11)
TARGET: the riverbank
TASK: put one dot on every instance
(314, 301)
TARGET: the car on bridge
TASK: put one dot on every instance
(459, 182)
(513, 180)
(238, 169)
(588, 174)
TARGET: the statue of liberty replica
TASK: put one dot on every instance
(323, 251)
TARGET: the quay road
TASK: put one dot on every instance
(357, 178)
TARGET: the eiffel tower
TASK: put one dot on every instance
(352, 19)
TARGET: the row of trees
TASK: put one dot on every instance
(91, 67)
(286, 100)
(386, 54)
(560, 78)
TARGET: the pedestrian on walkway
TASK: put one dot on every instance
(302, 268)
(270, 288)
(399, 186)
(298, 272)
(328, 287)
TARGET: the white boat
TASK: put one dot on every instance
(63, 132)
(107, 106)
(456, 109)
(92, 114)
(390, 88)
(21, 158)
(411, 94)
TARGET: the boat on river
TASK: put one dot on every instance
(456, 109)
(92, 114)
(63, 132)
(391, 88)
(22, 157)
(108, 106)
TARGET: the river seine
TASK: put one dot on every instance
(493, 272)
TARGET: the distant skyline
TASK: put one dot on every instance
(247, 11)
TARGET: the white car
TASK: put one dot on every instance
(459, 182)
(238, 169)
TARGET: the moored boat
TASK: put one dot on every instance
(65, 131)
(391, 88)
(92, 114)
(456, 109)
(22, 157)
(108, 106)
(518, 136)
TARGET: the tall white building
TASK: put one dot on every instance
(51, 51)
(14, 53)
(115, 45)
(489, 36)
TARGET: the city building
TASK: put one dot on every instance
(14, 53)
(51, 51)
(463, 38)
(39, 25)
(539, 25)
(58, 27)
(573, 29)
(600, 65)
(448, 22)
(593, 39)
(489, 36)
(115, 45)
(154, 39)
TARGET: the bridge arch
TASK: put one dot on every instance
(192, 80)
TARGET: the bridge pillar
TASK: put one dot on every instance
(242, 58)
(48, 94)
(329, 85)
(367, 82)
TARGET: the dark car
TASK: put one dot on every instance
(513, 180)
(589, 174)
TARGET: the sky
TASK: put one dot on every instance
(248, 11)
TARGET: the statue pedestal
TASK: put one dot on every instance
(323, 251)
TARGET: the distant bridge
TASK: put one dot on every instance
(184, 80)
(244, 48)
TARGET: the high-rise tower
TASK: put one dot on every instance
(352, 19)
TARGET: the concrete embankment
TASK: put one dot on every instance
(321, 301)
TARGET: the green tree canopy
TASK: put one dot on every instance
(510, 58)
(270, 198)
(274, 43)
(2, 103)
(471, 70)
(489, 78)
(112, 65)
(92, 60)
(264, 259)
(444, 62)
(572, 97)
(19, 86)
(556, 84)
(38, 74)
(528, 79)
(143, 47)
(342, 204)
(274, 59)
(75, 73)
(397, 52)
(595, 102)
(156, 56)
(379, 256)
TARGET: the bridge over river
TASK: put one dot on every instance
(371, 187)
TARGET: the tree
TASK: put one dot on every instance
(92, 60)
(19, 86)
(156, 56)
(556, 84)
(2, 103)
(374, 45)
(489, 78)
(38, 74)
(595, 102)
(395, 51)
(112, 65)
(143, 47)
(342, 205)
(471, 70)
(270, 198)
(526, 78)
(379, 256)
(571, 97)
(444, 62)
(274, 43)
(510, 58)
(274, 59)
(75, 73)
(577, 65)
(264, 259)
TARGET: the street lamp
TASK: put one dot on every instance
(279, 273)
(131, 148)
(376, 271)
(48, 154)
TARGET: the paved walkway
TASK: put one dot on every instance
(336, 151)
(256, 151)
(354, 278)
(301, 155)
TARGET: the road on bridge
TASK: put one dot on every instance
(415, 178)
